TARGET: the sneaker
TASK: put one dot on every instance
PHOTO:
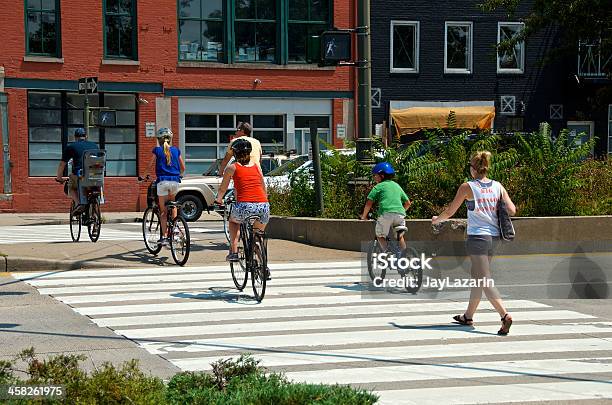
(268, 278)
(163, 242)
(232, 257)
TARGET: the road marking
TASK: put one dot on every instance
(559, 391)
(409, 338)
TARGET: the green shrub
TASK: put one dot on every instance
(241, 382)
(545, 176)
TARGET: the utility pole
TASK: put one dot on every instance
(364, 78)
(316, 163)
(86, 117)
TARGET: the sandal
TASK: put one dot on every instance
(463, 320)
(506, 323)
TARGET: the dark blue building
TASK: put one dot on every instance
(443, 54)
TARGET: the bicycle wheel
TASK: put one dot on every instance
(226, 216)
(375, 249)
(94, 223)
(413, 277)
(75, 224)
(259, 273)
(179, 241)
(240, 275)
(151, 230)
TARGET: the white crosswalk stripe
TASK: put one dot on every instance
(315, 326)
(61, 233)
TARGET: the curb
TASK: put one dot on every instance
(25, 264)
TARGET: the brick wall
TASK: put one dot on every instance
(82, 53)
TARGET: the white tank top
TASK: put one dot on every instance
(482, 211)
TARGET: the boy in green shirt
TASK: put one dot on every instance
(392, 203)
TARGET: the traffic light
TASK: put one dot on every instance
(335, 47)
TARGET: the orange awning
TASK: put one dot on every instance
(412, 119)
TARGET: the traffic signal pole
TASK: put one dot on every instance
(364, 80)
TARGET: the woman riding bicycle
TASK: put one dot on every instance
(481, 196)
(251, 195)
(169, 168)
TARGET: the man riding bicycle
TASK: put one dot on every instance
(74, 151)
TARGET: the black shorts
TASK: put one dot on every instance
(481, 245)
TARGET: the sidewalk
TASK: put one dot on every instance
(62, 218)
(206, 248)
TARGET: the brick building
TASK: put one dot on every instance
(199, 66)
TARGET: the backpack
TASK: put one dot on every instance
(506, 229)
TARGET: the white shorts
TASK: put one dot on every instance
(386, 221)
(167, 187)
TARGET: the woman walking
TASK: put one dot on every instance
(481, 196)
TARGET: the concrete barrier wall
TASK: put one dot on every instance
(534, 235)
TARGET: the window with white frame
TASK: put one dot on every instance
(510, 60)
(208, 135)
(458, 47)
(404, 46)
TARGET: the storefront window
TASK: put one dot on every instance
(208, 135)
(53, 117)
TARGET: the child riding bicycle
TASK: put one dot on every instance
(392, 204)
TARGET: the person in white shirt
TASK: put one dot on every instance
(481, 196)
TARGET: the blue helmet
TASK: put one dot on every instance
(79, 133)
(383, 167)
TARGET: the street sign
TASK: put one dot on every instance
(149, 129)
(341, 131)
(88, 85)
(335, 46)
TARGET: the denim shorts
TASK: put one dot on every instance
(481, 245)
(243, 210)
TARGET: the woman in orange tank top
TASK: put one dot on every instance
(251, 195)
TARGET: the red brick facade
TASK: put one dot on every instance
(82, 54)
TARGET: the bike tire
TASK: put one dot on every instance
(75, 224)
(416, 275)
(374, 249)
(180, 244)
(151, 230)
(226, 216)
(259, 264)
(240, 275)
(95, 221)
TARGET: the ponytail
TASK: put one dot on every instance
(167, 150)
(481, 162)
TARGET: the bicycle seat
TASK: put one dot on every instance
(172, 204)
(400, 228)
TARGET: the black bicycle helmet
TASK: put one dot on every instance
(241, 148)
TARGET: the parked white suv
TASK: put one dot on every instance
(197, 193)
